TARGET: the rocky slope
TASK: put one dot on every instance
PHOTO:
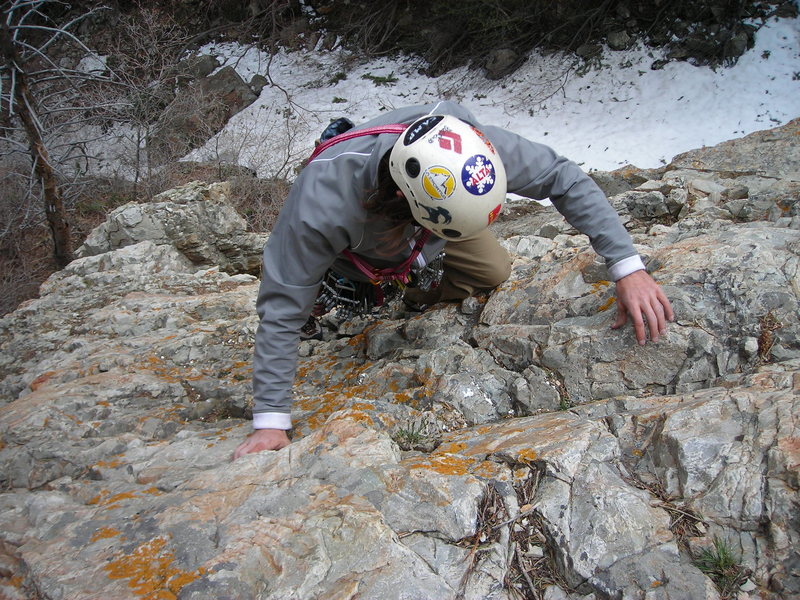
(510, 447)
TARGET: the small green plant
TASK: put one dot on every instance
(417, 435)
(337, 77)
(722, 567)
(408, 437)
(386, 80)
(338, 100)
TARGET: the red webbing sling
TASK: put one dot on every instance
(354, 133)
(401, 271)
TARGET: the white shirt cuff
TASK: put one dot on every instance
(625, 267)
(272, 420)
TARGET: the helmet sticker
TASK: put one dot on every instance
(435, 213)
(478, 175)
(419, 128)
(439, 183)
(494, 214)
(485, 140)
(449, 140)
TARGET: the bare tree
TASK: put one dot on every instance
(42, 107)
(145, 54)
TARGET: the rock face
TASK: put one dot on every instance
(513, 446)
(202, 106)
(196, 219)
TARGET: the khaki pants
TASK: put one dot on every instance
(478, 263)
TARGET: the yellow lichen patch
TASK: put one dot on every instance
(346, 385)
(172, 374)
(356, 340)
(109, 464)
(488, 469)
(599, 286)
(150, 572)
(452, 448)
(521, 473)
(106, 498)
(607, 304)
(527, 455)
(41, 380)
(446, 464)
(104, 533)
(359, 416)
(402, 397)
(116, 498)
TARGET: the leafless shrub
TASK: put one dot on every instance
(259, 200)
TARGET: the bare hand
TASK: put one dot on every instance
(641, 298)
(262, 439)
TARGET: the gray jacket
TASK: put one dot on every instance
(324, 215)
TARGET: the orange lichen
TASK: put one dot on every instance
(521, 473)
(527, 455)
(607, 304)
(104, 533)
(150, 572)
(105, 498)
(599, 286)
(41, 380)
(488, 470)
(402, 397)
(446, 464)
(172, 374)
(452, 448)
(360, 417)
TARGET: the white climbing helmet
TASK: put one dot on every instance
(450, 174)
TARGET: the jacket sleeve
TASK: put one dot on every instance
(536, 171)
(301, 247)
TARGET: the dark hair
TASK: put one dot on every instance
(385, 202)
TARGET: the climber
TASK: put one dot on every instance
(405, 206)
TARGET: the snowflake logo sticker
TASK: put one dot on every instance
(478, 175)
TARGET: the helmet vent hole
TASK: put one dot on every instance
(412, 167)
(451, 233)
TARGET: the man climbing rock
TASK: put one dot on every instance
(405, 200)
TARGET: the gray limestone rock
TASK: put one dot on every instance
(438, 455)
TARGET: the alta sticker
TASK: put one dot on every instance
(478, 175)
(438, 182)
